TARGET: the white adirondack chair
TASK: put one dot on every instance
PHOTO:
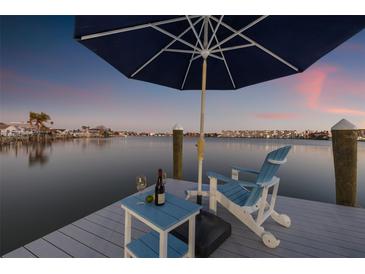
(248, 201)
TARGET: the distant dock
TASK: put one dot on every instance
(318, 230)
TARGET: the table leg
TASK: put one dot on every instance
(191, 251)
(127, 231)
(163, 244)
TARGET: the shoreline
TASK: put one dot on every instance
(4, 140)
(11, 140)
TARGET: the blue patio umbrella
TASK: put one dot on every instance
(212, 52)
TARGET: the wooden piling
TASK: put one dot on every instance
(178, 136)
(344, 146)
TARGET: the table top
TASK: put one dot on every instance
(164, 217)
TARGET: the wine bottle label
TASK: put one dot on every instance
(161, 198)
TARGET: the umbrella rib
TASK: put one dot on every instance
(196, 57)
(258, 45)
(137, 27)
(224, 58)
(214, 31)
(232, 48)
(162, 50)
(180, 50)
(216, 56)
(236, 32)
(192, 58)
(195, 33)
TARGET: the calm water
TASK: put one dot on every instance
(44, 187)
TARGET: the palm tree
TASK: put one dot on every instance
(39, 119)
(32, 117)
(43, 118)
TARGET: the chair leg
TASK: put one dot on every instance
(270, 240)
(262, 205)
(250, 222)
(281, 219)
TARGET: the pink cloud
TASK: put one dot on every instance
(329, 89)
(276, 116)
(311, 84)
(346, 111)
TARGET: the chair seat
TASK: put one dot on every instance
(235, 193)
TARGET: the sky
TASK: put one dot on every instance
(42, 68)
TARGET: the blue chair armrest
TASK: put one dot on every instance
(247, 170)
(226, 179)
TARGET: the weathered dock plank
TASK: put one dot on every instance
(103, 246)
(44, 249)
(20, 253)
(104, 232)
(72, 246)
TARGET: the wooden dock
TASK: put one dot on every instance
(318, 230)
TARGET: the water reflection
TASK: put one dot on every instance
(37, 153)
(97, 142)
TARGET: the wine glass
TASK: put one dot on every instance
(141, 183)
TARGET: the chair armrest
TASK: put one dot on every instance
(226, 179)
(246, 170)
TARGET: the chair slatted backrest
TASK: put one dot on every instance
(269, 169)
(267, 172)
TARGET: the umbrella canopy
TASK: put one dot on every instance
(236, 51)
(245, 50)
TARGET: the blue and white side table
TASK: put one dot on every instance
(162, 219)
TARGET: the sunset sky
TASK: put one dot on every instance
(44, 69)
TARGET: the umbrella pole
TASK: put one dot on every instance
(205, 54)
(201, 142)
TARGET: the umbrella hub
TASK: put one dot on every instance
(204, 53)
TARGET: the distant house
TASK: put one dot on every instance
(60, 131)
(16, 129)
(3, 129)
(11, 130)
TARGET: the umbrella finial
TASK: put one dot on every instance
(205, 53)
